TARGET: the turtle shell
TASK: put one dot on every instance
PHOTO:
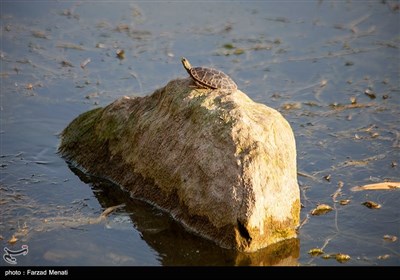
(212, 78)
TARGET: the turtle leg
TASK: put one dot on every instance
(203, 86)
(195, 84)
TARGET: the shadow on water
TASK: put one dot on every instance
(174, 244)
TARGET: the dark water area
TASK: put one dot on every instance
(330, 67)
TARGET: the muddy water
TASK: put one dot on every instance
(331, 68)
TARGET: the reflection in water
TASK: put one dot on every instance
(175, 245)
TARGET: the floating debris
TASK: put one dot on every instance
(342, 257)
(229, 49)
(327, 177)
(100, 46)
(69, 13)
(391, 238)
(111, 209)
(316, 252)
(85, 63)
(120, 54)
(374, 134)
(30, 86)
(344, 201)
(371, 204)
(370, 93)
(384, 257)
(339, 257)
(377, 186)
(105, 214)
(228, 46)
(338, 191)
(321, 209)
(40, 34)
(304, 174)
(122, 27)
(291, 106)
(356, 162)
(238, 51)
(362, 162)
(349, 117)
(65, 63)
(340, 107)
(13, 240)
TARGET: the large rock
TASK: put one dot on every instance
(219, 163)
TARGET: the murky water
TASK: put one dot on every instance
(314, 61)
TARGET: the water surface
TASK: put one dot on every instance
(313, 61)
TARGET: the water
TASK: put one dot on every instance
(308, 60)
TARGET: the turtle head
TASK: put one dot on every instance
(186, 64)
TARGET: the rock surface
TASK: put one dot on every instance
(219, 163)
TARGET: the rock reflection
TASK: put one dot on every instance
(178, 247)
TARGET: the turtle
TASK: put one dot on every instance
(209, 77)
